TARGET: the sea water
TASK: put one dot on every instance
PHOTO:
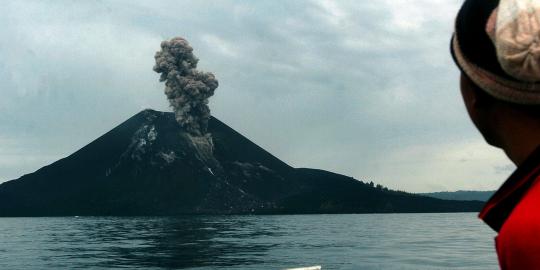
(364, 241)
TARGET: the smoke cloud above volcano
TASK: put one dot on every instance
(186, 88)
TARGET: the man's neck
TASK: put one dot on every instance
(520, 139)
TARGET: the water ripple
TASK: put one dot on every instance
(378, 241)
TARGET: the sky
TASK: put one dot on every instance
(366, 89)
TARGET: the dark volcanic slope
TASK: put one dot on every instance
(149, 166)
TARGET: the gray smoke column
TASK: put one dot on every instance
(187, 89)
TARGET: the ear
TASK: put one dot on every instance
(481, 108)
(469, 94)
(474, 96)
(477, 108)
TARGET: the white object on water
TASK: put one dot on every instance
(317, 267)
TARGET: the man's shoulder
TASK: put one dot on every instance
(518, 242)
(526, 215)
(519, 237)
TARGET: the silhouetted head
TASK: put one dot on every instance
(496, 45)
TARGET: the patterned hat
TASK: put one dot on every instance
(497, 45)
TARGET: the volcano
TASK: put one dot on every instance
(149, 165)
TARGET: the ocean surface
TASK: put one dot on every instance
(368, 241)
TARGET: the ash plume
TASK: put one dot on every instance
(186, 88)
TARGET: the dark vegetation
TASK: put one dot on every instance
(463, 195)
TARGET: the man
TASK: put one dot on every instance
(496, 45)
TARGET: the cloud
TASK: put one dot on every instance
(443, 166)
(14, 157)
(224, 47)
(504, 169)
(344, 86)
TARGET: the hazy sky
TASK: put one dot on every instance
(362, 88)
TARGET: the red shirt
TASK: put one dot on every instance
(514, 212)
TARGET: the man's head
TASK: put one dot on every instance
(496, 45)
